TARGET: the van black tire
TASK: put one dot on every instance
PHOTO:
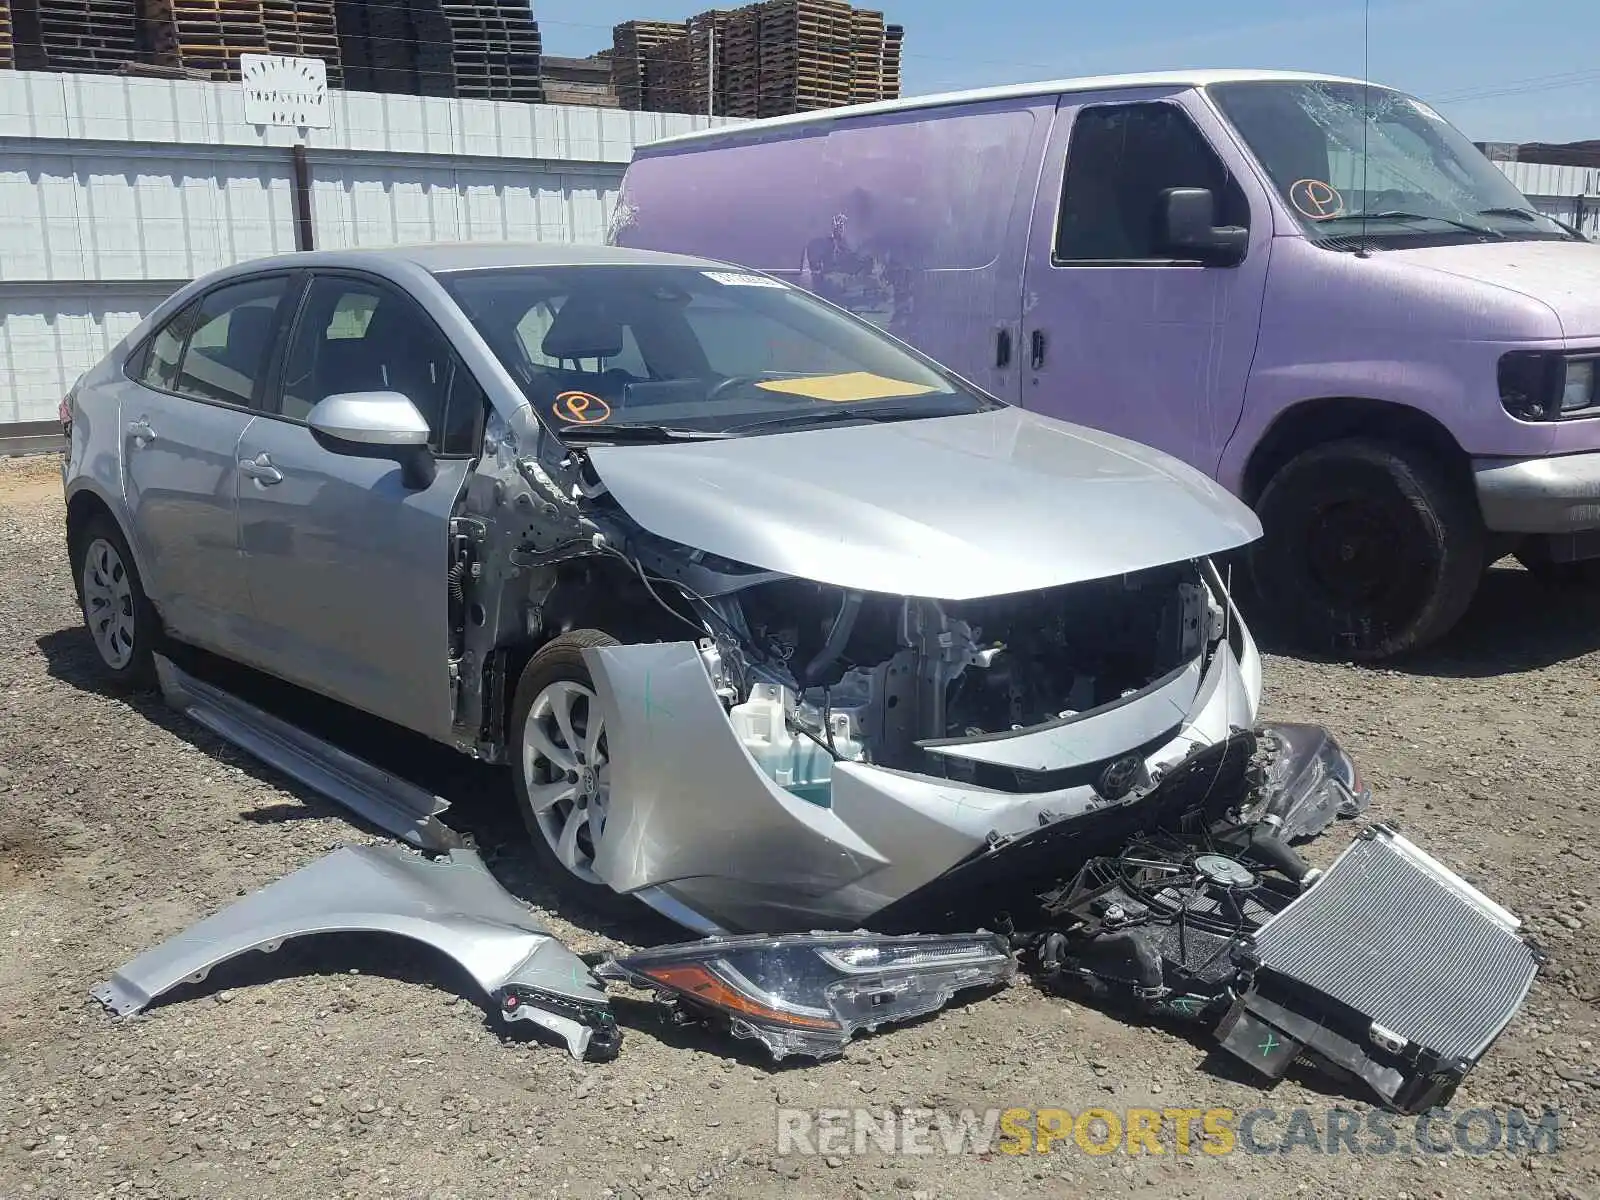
(137, 672)
(1369, 550)
(559, 662)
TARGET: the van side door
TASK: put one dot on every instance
(1121, 330)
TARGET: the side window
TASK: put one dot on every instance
(356, 335)
(232, 331)
(166, 349)
(1120, 160)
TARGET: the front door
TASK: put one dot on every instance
(1120, 334)
(195, 394)
(347, 566)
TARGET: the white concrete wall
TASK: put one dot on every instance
(113, 192)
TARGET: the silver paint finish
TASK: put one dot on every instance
(453, 905)
(688, 800)
(179, 486)
(711, 840)
(390, 803)
(1539, 495)
(346, 573)
(952, 508)
(108, 603)
(369, 419)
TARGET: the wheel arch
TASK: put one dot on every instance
(591, 593)
(85, 502)
(1312, 422)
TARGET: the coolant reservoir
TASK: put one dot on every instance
(791, 760)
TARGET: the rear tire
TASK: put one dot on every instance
(122, 623)
(1369, 550)
(561, 769)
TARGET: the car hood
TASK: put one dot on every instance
(949, 508)
(1565, 276)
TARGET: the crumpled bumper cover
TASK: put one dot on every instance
(453, 905)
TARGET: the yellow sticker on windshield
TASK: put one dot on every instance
(847, 388)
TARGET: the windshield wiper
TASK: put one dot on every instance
(596, 432)
(1532, 215)
(1527, 214)
(825, 416)
(1394, 214)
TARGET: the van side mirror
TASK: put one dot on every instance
(383, 425)
(1188, 229)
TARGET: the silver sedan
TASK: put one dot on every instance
(774, 620)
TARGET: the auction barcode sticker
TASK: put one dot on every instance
(740, 279)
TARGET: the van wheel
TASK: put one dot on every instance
(1369, 550)
(562, 769)
(121, 621)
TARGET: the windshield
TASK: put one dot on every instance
(644, 352)
(1352, 160)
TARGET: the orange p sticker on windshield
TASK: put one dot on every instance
(1315, 199)
(581, 408)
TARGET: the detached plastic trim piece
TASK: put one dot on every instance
(393, 805)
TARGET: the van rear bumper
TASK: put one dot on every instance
(1539, 495)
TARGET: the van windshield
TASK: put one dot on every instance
(1358, 162)
(608, 353)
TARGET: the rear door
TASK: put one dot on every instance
(1119, 334)
(347, 567)
(197, 385)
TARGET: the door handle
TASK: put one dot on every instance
(1036, 349)
(260, 469)
(141, 430)
(1002, 349)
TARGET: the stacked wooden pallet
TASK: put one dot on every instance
(866, 56)
(7, 61)
(739, 60)
(400, 46)
(497, 50)
(708, 63)
(894, 37)
(305, 30)
(804, 56)
(205, 35)
(73, 35)
(630, 42)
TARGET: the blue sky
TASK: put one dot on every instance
(1500, 71)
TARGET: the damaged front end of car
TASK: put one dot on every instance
(865, 702)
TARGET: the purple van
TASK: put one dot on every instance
(1314, 289)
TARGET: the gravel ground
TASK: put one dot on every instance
(351, 1069)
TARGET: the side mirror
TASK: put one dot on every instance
(376, 425)
(1188, 229)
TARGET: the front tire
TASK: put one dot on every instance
(120, 619)
(561, 767)
(1369, 550)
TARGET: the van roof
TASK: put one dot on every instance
(1011, 91)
